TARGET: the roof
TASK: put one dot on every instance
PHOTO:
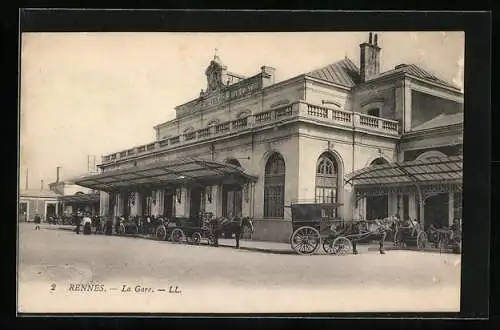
(161, 173)
(37, 193)
(443, 119)
(442, 170)
(343, 72)
(415, 70)
(80, 198)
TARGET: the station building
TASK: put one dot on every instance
(379, 143)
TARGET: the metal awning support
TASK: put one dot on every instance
(446, 170)
(173, 172)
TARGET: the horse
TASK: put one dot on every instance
(231, 226)
(377, 228)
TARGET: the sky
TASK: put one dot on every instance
(96, 93)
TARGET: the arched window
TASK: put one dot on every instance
(378, 161)
(274, 186)
(233, 161)
(327, 182)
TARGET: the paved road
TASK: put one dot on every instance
(224, 279)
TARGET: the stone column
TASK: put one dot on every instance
(119, 204)
(451, 210)
(217, 196)
(211, 205)
(103, 203)
(160, 201)
(138, 204)
(412, 204)
(180, 207)
(154, 203)
(392, 203)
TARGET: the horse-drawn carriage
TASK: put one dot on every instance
(127, 226)
(313, 225)
(410, 234)
(446, 238)
(204, 227)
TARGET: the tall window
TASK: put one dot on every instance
(326, 182)
(274, 187)
(374, 112)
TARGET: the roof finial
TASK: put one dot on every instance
(375, 40)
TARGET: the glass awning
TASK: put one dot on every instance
(435, 170)
(80, 198)
(160, 173)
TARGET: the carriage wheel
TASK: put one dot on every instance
(342, 246)
(177, 235)
(328, 245)
(161, 233)
(121, 229)
(196, 238)
(422, 240)
(305, 240)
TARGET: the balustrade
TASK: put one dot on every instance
(222, 128)
(240, 123)
(304, 109)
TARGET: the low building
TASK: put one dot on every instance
(72, 197)
(40, 202)
(379, 143)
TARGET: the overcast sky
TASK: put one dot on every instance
(96, 93)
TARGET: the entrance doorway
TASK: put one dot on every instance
(23, 211)
(436, 210)
(168, 204)
(232, 200)
(376, 207)
(195, 202)
(51, 210)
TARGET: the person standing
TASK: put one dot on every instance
(87, 225)
(37, 222)
(78, 221)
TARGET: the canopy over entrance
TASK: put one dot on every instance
(161, 173)
(431, 171)
(80, 198)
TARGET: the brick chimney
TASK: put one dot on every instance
(370, 58)
(59, 174)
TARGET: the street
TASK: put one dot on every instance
(57, 268)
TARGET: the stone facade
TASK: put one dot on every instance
(301, 119)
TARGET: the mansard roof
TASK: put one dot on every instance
(343, 72)
(417, 71)
(346, 73)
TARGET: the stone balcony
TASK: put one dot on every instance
(292, 112)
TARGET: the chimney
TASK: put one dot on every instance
(370, 58)
(41, 184)
(27, 180)
(58, 178)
